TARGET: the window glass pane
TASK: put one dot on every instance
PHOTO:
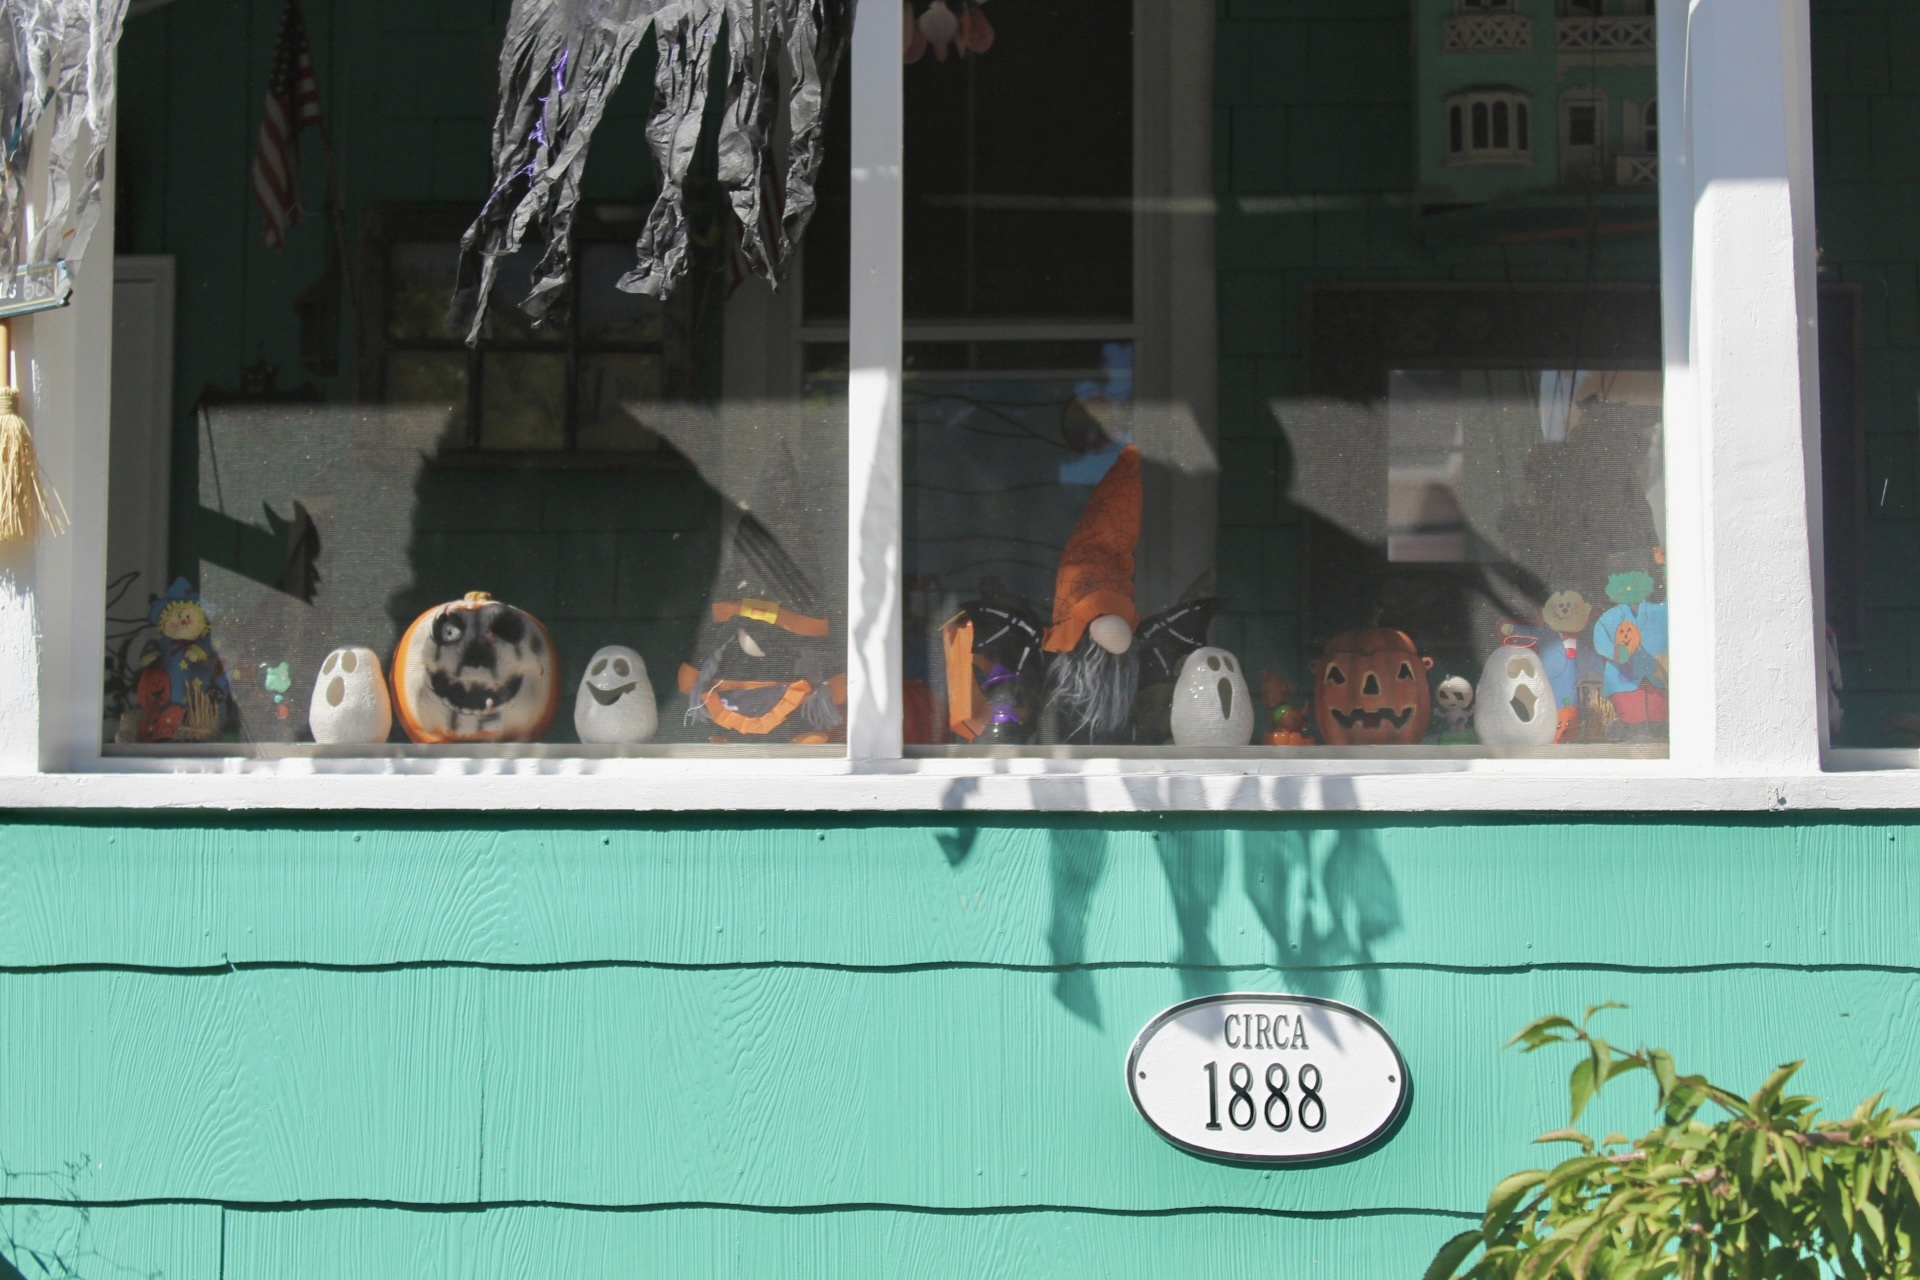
(1869, 324)
(617, 393)
(651, 495)
(606, 313)
(1237, 426)
(523, 401)
(419, 289)
(432, 378)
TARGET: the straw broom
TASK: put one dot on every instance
(27, 501)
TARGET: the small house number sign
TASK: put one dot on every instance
(1267, 1078)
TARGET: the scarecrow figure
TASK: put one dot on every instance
(182, 690)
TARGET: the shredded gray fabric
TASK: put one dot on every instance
(562, 61)
(56, 76)
(1089, 693)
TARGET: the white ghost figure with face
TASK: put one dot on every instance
(1453, 704)
(1210, 703)
(350, 700)
(615, 703)
(1514, 706)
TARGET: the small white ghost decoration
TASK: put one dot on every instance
(1515, 706)
(615, 703)
(350, 699)
(1210, 703)
(1453, 704)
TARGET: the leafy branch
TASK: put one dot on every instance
(1771, 1191)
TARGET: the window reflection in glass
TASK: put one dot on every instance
(1284, 407)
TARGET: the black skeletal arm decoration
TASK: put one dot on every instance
(562, 61)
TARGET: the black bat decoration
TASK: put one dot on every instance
(1005, 635)
(1165, 639)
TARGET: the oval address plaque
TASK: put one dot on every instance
(1267, 1078)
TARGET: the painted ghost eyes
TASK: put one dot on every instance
(598, 667)
(1519, 667)
(1336, 676)
(620, 667)
(348, 663)
(333, 660)
(1230, 665)
(1213, 663)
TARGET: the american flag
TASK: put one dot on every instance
(293, 103)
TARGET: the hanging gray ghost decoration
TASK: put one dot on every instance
(562, 61)
(56, 77)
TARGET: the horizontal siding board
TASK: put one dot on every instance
(1458, 893)
(283, 1085)
(946, 1088)
(980, 1088)
(718, 1244)
(158, 1242)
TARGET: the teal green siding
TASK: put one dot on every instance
(887, 1047)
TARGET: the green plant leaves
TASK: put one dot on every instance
(1766, 1192)
(1508, 1194)
(1451, 1255)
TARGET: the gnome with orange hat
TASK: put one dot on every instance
(1099, 654)
(1092, 670)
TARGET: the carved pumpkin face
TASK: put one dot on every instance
(1370, 689)
(476, 670)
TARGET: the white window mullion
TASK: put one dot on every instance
(874, 620)
(1743, 390)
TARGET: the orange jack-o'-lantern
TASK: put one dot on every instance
(476, 670)
(1370, 689)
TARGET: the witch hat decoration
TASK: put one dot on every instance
(27, 501)
(769, 665)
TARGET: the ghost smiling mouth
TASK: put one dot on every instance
(462, 696)
(607, 697)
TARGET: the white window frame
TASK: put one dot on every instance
(1748, 727)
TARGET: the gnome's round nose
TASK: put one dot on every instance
(1111, 632)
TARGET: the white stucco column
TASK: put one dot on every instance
(1743, 393)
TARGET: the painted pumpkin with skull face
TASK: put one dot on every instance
(476, 670)
(1370, 690)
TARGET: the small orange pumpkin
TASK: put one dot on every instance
(1370, 689)
(476, 670)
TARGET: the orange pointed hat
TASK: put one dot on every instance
(1096, 569)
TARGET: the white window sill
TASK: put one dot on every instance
(1856, 781)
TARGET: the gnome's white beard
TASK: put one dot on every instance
(1090, 692)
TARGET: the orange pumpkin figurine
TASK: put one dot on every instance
(1370, 689)
(476, 670)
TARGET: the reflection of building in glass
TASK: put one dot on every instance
(1534, 98)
